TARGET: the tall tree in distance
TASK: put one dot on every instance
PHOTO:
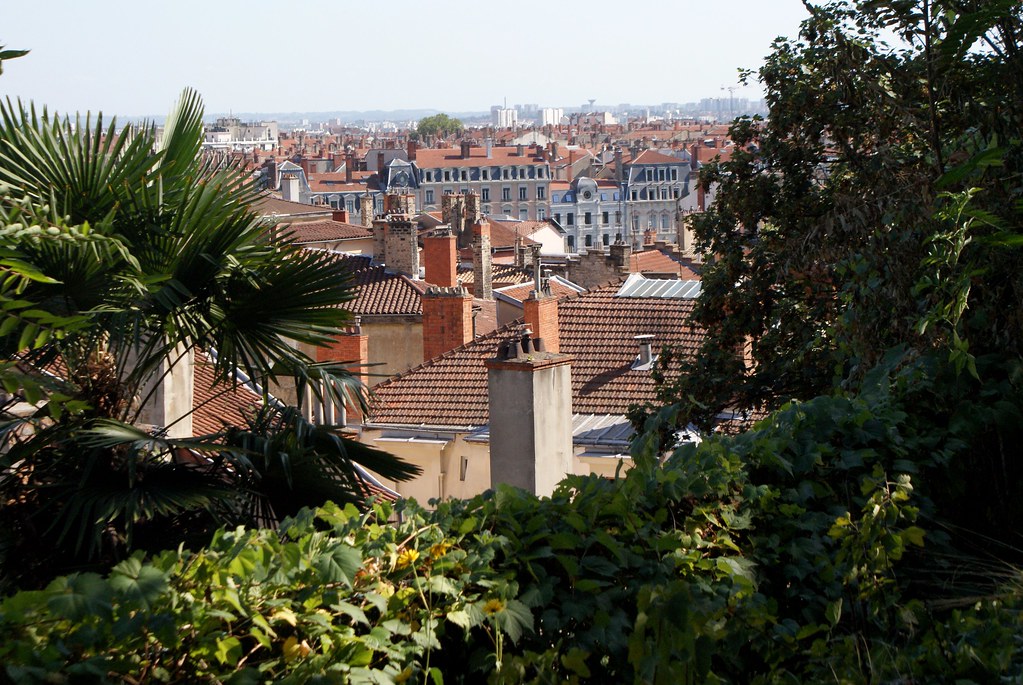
(877, 206)
(438, 125)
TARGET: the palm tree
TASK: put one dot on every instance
(124, 253)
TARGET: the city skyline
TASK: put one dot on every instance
(316, 56)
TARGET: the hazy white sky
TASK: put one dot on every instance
(133, 58)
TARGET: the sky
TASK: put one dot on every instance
(134, 58)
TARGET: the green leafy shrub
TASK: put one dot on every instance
(808, 550)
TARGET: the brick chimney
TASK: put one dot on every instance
(401, 245)
(620, 253)
(447, 320)
(349, 167)
(482, 269)
(379, 229)
(411, 150)
(340, 215)
(366, 210)
(541, 313)
(380, 162)
(466, 149)
(530, 416)
(440, 254)
(351, 347)
(473, 213)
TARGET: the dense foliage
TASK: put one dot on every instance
(808, 550)
(121, 254)
(438, 125)
(878, 205)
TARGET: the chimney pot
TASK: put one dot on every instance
(645, 355)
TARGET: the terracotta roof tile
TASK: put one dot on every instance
(323, 231)
(218, 405)
(654, 157)
(521, 291)
(380, 291)
(268, 205)
(597, 329)
(523, 228)
(502, 275)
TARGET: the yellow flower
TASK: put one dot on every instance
(407, 558)
(440, 549)
(493, 606)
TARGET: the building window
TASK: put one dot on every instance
(485, 174)
(664, 222)
(606, 238)
(539, 172)
(617, 196)
(541, 193)
(555, 198)
(604, 218)
(429, 176)
(429, 197)
(485, 194)
(589, 240)
(557, 217)
(588, 218)
(571, 243)
(570, 219)
(449, 191)
(447, 175)
(603, 197)
(660, 174)
(523, 193)
(524, 214)
(674, 174)
(618, 218)
(677, 193)
(504, 173)
(506, 193)
(465, 175)
(541, 213)
(635, 196)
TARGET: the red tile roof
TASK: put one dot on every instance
(522, 228)
(431, 158)
(521, 292)
(654, 157)
(501, 275)
(323, 231)
(597, 329)
(221, 405)
(657, 262)
(268, 205)
(382, 292)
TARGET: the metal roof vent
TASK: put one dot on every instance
(646, 359)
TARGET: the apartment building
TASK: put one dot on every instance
(511, 181)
